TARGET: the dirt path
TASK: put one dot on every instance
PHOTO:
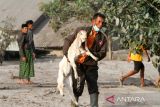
(43, 92)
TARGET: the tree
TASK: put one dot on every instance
(130, 20)
(60, 11)
(7, 35)
(136, 22)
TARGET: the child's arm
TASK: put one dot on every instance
(129, 56)
(145, 51)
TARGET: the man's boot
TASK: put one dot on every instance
(94, 100)
(73, 104)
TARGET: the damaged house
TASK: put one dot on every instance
(21, 11)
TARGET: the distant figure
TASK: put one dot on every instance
(156, 64)
(158, 79)
(138, 64)
(27, 55)
(1, 57)
(30, 37)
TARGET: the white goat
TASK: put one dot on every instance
(65, 67)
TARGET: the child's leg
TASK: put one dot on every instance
(142, 77)
(141, 66)
(137, 67)
(130, 73)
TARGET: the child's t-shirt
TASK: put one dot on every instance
(137, 56)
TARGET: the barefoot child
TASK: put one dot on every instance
(158, 79)
(156, 64)
(26, 56)
(138, 64)
(20, 40)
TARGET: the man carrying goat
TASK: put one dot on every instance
(87, 67)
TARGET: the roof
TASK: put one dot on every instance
(23, 10)
(20, 10)
(48, 38)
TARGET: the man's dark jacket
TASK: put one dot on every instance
(99, 47)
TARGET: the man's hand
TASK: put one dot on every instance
(23, 58)
(34, 55)
(91, 55)
(86, 53)
(81, 58)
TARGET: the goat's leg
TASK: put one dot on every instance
(74, 66)
(92, 56)
(69, 86)
(60, 81)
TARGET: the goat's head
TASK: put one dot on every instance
(82, 35)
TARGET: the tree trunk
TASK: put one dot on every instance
(110, 48)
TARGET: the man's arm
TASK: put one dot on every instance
(129, 56)
(31, 40)
(68, 41)
(20, 44)
(145, 51)
(33, 46)
(102, 53)
(33, 50)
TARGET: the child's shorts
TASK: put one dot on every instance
(138, 65)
